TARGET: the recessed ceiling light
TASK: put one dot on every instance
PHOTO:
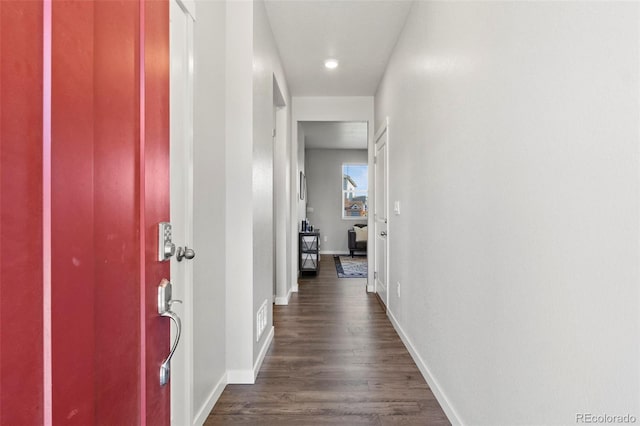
(331, 63)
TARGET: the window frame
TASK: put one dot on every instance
(343, 191)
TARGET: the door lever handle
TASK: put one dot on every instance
(165, 367)
(383, 234)
(165, 301)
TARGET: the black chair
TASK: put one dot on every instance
(360, 246)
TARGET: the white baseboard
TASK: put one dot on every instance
(451, 413)
(370, 288)
(285, 299)
(206, 408)
(240, 377)
(263, 353)
(332, 252)
(294, 287)
(248, 377)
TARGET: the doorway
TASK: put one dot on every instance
(335, 197)
(318, 109)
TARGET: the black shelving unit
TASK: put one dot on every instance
(309, 251)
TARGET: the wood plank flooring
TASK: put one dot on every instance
(335, 360)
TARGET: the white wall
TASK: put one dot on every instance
(514, 153)
(324, 185)
(299, 207)
(282, 210)
(239, 191)
(302, 203)
(329, 108)
(235, 63)
(266, 64)
(209, 363)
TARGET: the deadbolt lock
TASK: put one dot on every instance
(166, 248)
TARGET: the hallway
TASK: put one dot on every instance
(162, 151)
(335, 359)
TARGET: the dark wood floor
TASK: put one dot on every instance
(335, 360)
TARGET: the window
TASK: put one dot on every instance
(354, 191)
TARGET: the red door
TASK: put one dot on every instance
(84, 180)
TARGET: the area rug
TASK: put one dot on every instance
(348, 267)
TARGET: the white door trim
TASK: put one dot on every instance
(382, 137)
(329, 108)
(281, 198)
(182, 367)
(383, 128)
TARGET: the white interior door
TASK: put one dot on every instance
(381, 215)
(181, 163)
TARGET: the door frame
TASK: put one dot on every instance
(186, 344)
(342, 108)
(281, 198)
(383, 131)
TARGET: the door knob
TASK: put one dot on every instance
(185, 253)
(382, 234)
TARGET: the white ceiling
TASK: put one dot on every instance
(335, 135)
(360, 34)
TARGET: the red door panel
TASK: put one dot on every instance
(72, 212)
(117, 212)
(21, 325)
